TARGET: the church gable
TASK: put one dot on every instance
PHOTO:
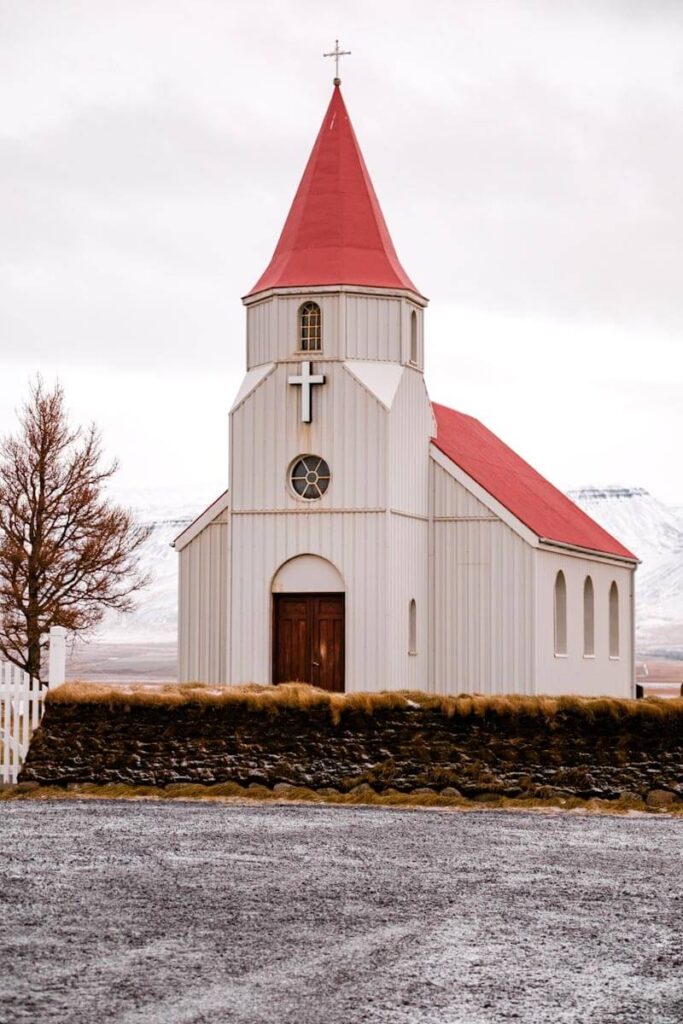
(522, 494)
(482, 584)
(217, 512)
(452, 500)
(270, 432)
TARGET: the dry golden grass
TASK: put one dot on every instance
(299, 697)
(231, 792)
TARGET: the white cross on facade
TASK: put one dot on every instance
(306, 380)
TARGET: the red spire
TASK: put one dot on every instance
(335, 232)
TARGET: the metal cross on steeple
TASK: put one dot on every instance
(337, 53)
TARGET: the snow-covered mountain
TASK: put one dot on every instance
(155, 618)
(653, 531)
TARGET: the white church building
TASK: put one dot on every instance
(368, 538)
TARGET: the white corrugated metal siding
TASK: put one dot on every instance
(591, 676)
(203, 604)
(272, 327)
(407, 579)
(481, 596)
(349, 431)
(378, 459)
(373, 328)
(354, 326)
(355, 544)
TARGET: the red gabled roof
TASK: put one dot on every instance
(517, 486)
(335, 232)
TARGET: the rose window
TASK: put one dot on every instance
(310, 477)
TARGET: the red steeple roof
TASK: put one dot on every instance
(335, 232)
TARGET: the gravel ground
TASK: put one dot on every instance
(187, 913)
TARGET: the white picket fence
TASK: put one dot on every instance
(22, 701)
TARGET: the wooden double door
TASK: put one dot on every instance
(308, 640)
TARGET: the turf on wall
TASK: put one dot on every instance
(393, 741)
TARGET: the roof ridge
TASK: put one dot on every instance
(522, 490)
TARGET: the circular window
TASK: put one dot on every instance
(310, 477)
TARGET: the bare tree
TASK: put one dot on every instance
(67, 553)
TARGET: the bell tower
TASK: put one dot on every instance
(329, 445)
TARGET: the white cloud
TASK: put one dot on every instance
(527, 157)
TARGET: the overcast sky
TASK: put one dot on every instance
(527, 155)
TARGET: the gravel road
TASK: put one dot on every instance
(187, 913)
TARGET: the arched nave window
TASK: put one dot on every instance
(412, 627)
(588, 618)
(560, 614)
(614, 620)
(310, 336)
(413, 337)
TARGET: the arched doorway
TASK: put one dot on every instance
(308, 623)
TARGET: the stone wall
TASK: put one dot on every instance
(583, 749)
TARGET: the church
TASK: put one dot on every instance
(370, 539)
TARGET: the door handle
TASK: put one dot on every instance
(316, 664)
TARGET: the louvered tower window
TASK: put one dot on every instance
(309, 327)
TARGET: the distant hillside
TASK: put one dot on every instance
(650, 529)
(156, 616)
(654, 532)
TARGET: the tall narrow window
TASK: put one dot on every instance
(588, 618)
(309, 327)
(412, 628)
(614, 620)
(560, 614)
(413, 337)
